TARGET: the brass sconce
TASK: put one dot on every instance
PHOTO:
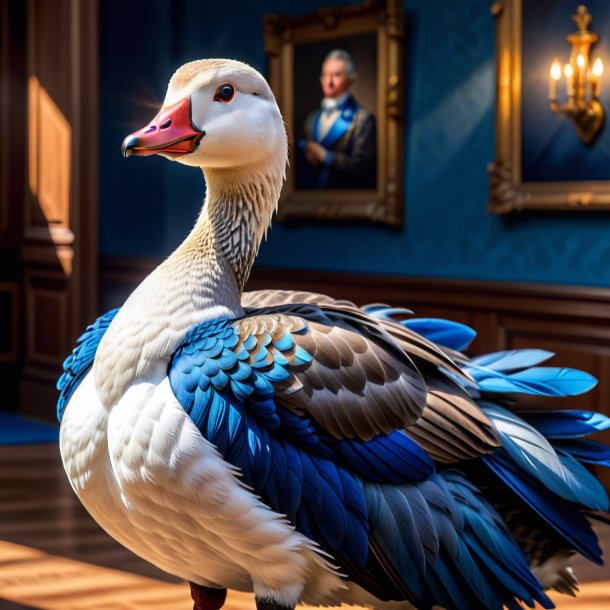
(582, 79)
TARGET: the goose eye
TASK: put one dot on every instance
(224, 93)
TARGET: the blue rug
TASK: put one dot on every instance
(18, 430)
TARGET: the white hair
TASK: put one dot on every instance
(350, 68)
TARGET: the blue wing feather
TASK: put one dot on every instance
(476, 565)
(266, 442)
(395, 458)
(78, 363)
(591, 492)
(385, 312)
(444, 332)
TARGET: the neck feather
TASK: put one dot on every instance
(237, 212)
(203, 279)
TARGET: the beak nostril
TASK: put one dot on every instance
(171, 131)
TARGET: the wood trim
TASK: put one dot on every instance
(12, 353)
(84, 60)
(548, 300)
(68, 239)
(451, 293)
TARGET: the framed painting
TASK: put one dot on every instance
(337, 77)
(540, 161)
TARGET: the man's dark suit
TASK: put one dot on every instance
(351, 143)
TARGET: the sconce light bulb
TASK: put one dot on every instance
(555, 69)
(568, 71)
(580, 61)
(598, 67)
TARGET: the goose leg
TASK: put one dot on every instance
(267, 604)
(206, 598)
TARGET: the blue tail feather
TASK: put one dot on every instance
(565, 517)
(511, 360)
(535, 456)
(590, 452)
(542, 381)
(566, 424)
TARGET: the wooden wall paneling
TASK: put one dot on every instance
(12, 154)
(583, 346)
(9, 344)
(4, 119)
(9, 321)
(59, 245)
(47, 299)
(118, 276)
(498, 311)
(12, 68)
(488, 332)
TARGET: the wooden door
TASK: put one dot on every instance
(57, 209)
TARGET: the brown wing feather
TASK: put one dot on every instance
(357, 385)
(359, 396)
(408, 340)
(270, 298)
(452, 427)
(362, 381)
(413, 343)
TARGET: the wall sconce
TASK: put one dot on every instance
(582, 80)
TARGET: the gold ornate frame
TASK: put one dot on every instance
(385, 19)
(507, 190)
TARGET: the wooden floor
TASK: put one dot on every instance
(54, 557)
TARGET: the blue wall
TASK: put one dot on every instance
(147, 205)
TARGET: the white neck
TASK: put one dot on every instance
(202, 280)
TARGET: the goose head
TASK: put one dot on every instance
(217, 113)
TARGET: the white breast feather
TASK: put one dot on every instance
(157, 486)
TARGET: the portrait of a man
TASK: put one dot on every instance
(338, 81)
(337, 149)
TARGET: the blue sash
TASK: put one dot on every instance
(341, 125)
(338, 129)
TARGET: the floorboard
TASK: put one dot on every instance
(54, 557)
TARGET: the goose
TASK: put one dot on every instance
(302, 448)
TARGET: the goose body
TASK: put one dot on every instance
(301, 447)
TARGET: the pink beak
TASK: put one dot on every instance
(171, 131)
